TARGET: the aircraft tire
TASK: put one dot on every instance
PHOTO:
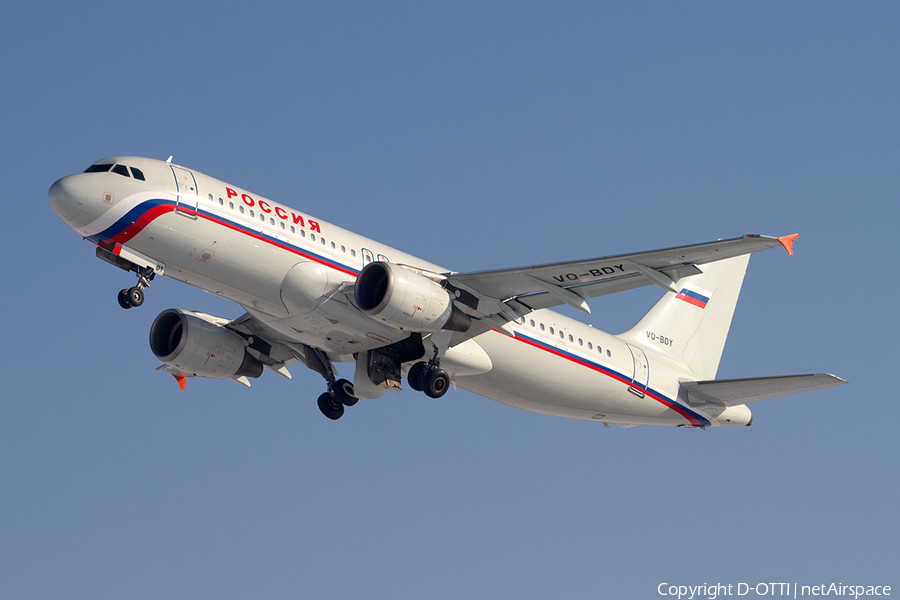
(343, 392)
(436, 383)
(416, 376)
(330, 407)
(136, 296)
(124, 302)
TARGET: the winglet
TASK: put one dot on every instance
(788, 242)
(181, 379)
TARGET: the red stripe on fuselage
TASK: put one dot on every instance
(152, 214)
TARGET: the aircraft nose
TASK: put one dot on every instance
(67, 197)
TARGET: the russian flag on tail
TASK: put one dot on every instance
(698, 298)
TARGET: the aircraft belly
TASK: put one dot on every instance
(531, 379)
(218, 260)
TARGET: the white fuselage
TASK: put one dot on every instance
(243, 247)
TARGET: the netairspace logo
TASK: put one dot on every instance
(792, 590)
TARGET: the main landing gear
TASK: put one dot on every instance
(339, 395)
(132, 297)
(430, 378)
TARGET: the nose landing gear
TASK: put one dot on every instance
(131, 297)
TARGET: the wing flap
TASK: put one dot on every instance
(734, 392)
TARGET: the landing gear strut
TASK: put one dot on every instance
(131, 297)
(340, 391)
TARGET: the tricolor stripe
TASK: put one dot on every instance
(692, 417)
(141, 215)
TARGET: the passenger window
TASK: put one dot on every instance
(211, 198)
(562, 335)
(121, 170)
(242, 209)
(332, 245)
(552, 331)
(293, 230)
(312, 236)
(282, 224)
(272, 222)
(352, 252)
(542, 326)
(231, 205)
(580, 342)
(303, 234)
(532, 322)
(138, 174)
(221, 202)
(571, 339)
(590, 346)
(343, 249)
(608, 353)
(252, 214)
(322, 240)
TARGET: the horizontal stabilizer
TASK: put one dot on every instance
(734, 392)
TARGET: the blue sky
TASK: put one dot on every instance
(475, 135)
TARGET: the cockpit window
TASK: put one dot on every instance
(121, 170)
(138, 174)
(98, 168)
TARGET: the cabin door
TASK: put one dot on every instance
(641, 375)
(187, 195)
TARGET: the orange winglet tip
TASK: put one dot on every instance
(788, 242)
(181, 380)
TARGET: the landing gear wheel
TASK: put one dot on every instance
(136, 296)
(330, 407)
(343, 392)
(124, 302)
(416, 376)
(436, 383)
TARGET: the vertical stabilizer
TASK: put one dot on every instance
(691, 326)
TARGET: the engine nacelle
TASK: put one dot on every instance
(406, 300)
(200, 347)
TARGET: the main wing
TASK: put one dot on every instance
(503, 295)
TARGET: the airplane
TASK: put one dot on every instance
(316, 294)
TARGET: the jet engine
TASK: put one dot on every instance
(195, 344)
(406, 300)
